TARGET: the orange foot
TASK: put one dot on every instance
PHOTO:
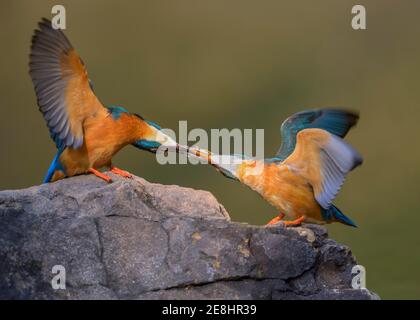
(100, 174)
(296, 222)
(276, 219)
(120, 172)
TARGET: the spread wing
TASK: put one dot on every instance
(335, 121)
(62, 86)
(323, 160)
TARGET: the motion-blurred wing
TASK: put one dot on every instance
(62, 85)
(323, 160)
(335, 121)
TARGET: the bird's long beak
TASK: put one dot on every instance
(166, 141)
(226, 164)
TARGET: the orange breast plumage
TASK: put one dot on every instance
(282, 187)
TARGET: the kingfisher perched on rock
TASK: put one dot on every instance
(304, 177)
(87, 134)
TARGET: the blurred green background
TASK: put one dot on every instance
(245, 64)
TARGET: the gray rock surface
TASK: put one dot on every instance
(132, 239)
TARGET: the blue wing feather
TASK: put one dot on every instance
(48, 46)
(335, 121)
(338, 158)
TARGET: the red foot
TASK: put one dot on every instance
(276, 219)
(296, 222)
(100, 174)
(120, 172)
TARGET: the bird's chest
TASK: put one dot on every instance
(101, 155)
(283, 189)
(103, 141)
(100, 152)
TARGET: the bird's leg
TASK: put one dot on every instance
(100, 174)
(296, 222)
(276, 219)
(120, 172)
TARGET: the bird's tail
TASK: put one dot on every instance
(53, 166)
(334, 214)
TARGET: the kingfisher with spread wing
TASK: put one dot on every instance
(87, 134)
(304, 177)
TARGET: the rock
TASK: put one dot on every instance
(132, 239)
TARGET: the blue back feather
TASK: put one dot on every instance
(116, 111)
(153, 124)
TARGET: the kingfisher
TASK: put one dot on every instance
(303, 178)
(86, 133)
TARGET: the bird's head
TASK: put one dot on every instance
(141, 133)
(151, 137)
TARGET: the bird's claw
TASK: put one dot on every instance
(276, 220)
(294, 223)
(121, 173)
(100, 175)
